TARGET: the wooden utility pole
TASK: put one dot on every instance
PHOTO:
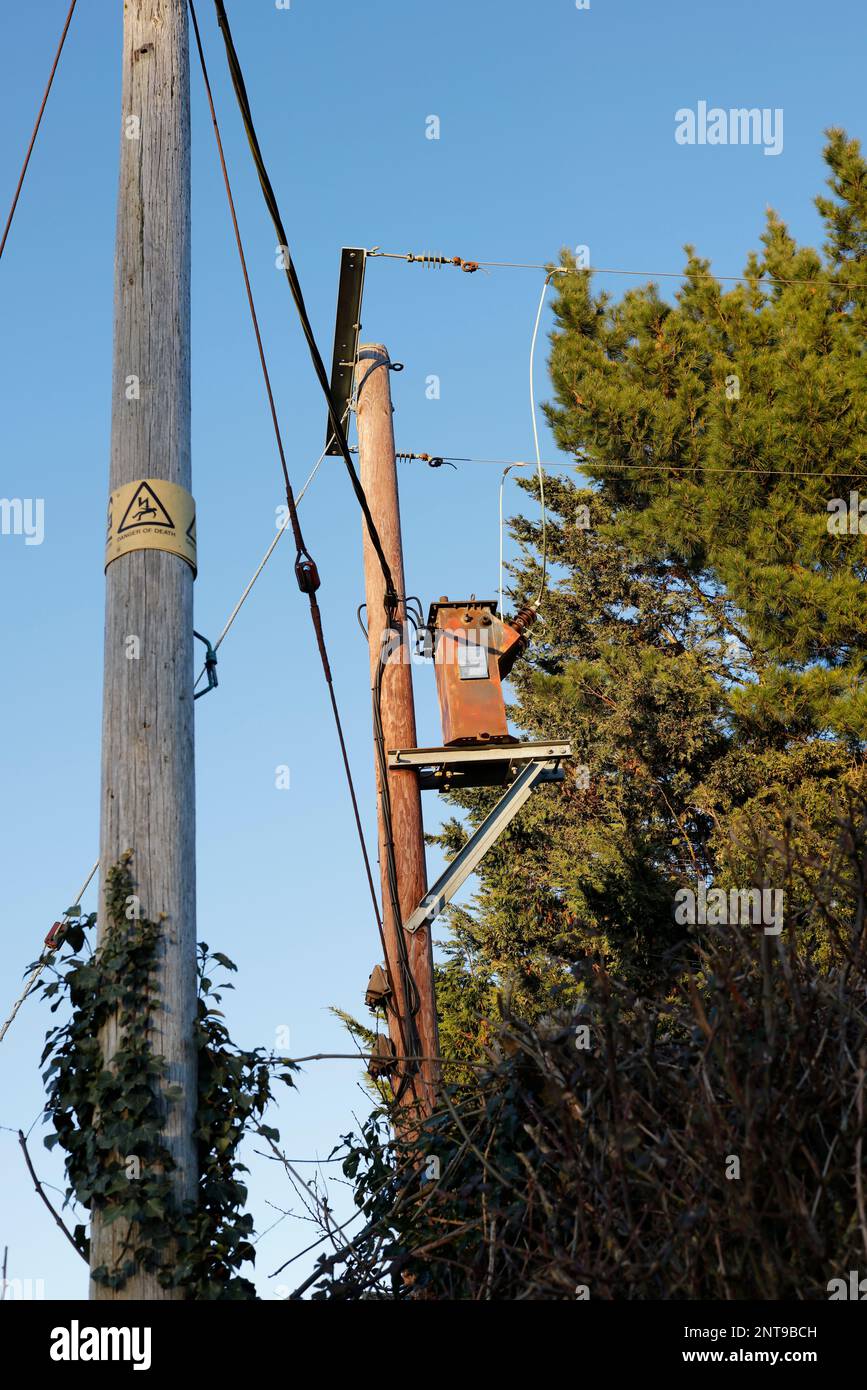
(379, 480)
(148, 786)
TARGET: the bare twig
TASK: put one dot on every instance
(39, 1188)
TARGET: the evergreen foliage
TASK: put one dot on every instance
(703, 643)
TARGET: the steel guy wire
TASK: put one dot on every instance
(44, 961)
(41, 113)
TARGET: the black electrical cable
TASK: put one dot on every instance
(411, 994)
(391, 596)
(305, 567)
(295, 286)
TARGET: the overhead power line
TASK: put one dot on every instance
(36, 128)
(303, 556)
(762, 279)
(392, 598)
(239, 85)
(660, 466)
(305, 567)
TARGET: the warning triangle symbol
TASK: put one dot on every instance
(191, 531)
(145, 509)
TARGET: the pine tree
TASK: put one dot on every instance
(703, 643)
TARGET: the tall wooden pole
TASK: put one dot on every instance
(148, 788)
(379, 479)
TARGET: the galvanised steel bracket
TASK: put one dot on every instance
(436, 898)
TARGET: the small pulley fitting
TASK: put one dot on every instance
(307, 574)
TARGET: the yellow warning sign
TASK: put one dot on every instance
(151, 515)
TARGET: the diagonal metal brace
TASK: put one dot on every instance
(490, 830)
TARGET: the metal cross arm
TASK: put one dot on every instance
(434, 901)
(482, 765)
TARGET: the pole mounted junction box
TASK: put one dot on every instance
(383, 1058)
(473, 652)
(378, 990)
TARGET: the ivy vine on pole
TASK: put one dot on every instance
(109, 1119)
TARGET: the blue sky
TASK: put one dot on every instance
(556, 128)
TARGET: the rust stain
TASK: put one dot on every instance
(474, 652)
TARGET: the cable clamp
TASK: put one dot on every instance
(54, 939)
(210, 666)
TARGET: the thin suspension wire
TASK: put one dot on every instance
(539, 471)
(663, 467)
(676, 468)
(36, 128)
(266, 557)
(315, 469)
(43, 962)
(642, 274)
(506, 472)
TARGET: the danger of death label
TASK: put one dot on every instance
(151, 515)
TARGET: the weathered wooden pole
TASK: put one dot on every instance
(148, 788)
(379, 479)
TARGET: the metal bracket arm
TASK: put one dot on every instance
(490, 830)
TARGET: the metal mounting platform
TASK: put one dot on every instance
(540, 765)
(479, 765)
